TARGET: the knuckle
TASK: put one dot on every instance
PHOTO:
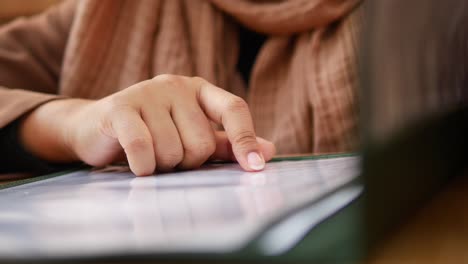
(170, 159)
(169, 79)
(200, 150)
(177, 84)
(236, 104)
(245, 140)
(136, 144)
(163, 77)
(198, 80)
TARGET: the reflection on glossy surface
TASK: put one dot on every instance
(214, 209)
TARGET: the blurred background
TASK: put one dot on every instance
(10, 9)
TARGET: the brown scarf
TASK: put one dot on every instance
(302, 86)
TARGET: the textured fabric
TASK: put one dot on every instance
(31, 54)
(17, 159)
(301, 90)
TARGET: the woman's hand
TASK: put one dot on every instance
(158, 124)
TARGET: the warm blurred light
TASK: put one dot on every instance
(10, 9)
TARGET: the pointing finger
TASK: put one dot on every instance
(233, 113)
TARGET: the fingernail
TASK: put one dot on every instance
(256, 162)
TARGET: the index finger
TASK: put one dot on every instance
(233, 113)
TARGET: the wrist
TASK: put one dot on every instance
(47, 131)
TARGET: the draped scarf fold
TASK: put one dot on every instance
(302, 86)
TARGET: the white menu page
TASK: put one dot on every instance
(216, 209)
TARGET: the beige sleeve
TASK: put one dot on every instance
(31, 54)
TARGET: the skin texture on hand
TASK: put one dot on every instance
(159, 124)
